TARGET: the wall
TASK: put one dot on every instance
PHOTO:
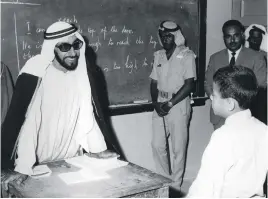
(218, 11)
(134, 131)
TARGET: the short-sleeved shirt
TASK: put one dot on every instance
(171, 74)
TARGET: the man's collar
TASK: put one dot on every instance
(236, 52)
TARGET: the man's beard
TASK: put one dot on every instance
(69, 67)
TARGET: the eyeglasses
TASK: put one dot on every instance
(65, 47)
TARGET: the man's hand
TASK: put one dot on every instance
(159, 110)
(103, 155)
(8, 176)
(165, 108)
(61, 163)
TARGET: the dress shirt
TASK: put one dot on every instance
(236, 54)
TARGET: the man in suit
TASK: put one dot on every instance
(235, 53)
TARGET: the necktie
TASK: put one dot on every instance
(232, 61)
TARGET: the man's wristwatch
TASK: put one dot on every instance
(170, 104)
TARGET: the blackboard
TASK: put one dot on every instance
(123, 34)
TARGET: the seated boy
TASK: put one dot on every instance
(235, 161)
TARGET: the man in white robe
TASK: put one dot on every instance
(59, 122)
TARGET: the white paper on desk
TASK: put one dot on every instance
(102, 165)
(84, 175)
(41, 171)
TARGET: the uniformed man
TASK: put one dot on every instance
(172, 80)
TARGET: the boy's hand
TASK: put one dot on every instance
(8, 176)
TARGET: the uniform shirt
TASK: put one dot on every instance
(171, 74)
(235, 162)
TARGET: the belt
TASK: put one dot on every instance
(166, 95)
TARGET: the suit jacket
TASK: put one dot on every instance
(265, 55)
(247, 58)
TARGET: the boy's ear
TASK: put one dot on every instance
(231, 103)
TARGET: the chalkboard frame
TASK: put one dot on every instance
(198, 97)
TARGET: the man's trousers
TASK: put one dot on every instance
(176, 123)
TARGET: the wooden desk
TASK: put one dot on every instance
(128, 181)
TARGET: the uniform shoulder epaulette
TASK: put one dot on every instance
(185, 52)
(158, 52)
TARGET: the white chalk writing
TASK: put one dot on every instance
(110, 43)
(116, 67)
(123, 42)
(127, 31)
(25, 45)
(68, 19)
(139, 40)
(38, 30)
(104, 31)
(113, 29)
(91, 31)
(129, 64)
(152, 41)
(144, 62)
(27, 55)
(28, 28)
(96, 44)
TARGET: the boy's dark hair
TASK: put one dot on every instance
(237, 82)
(233, 23)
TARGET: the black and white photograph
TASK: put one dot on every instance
(134, 98)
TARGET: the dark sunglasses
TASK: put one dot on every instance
(65, 47)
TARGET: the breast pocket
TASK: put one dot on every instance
(176, 79)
